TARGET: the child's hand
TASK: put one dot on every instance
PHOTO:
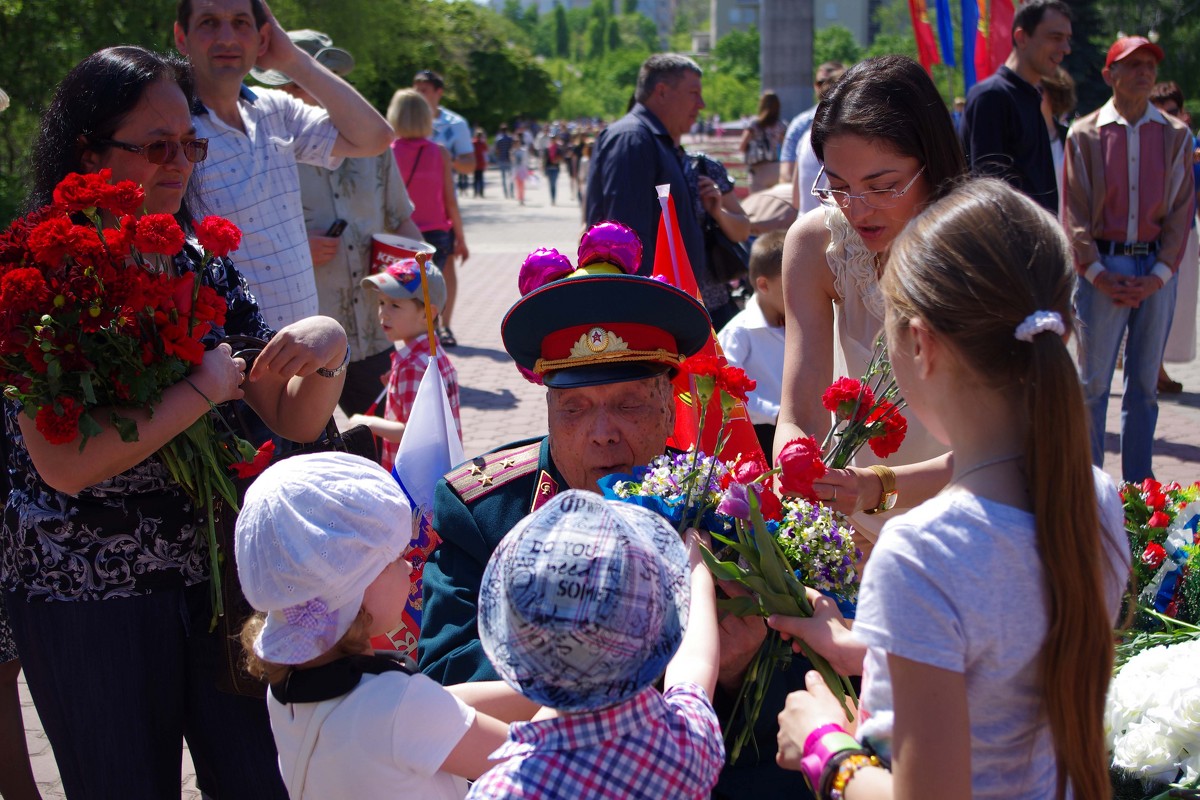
(804, 712)
(362, 419)
(692, 540)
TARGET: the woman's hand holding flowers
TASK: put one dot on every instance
(219, 375)
(826, 631)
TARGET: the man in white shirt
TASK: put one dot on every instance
(450, 130)
(257, 138)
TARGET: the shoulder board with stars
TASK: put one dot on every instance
(483, 474)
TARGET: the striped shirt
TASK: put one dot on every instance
(251, 179)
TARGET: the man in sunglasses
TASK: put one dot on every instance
(256, 139)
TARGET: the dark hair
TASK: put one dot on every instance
(826, 76)
(661, 68)
(892, 100)
(429, 76)
(1059, 88)
(974, 266)
(1030, 15)
(768, 109)
(1167, 90)
(766, 255)
(183, 13)
(89, 105)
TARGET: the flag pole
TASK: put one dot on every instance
(664, 194)
(422, 259)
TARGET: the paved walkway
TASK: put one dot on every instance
(499, 406)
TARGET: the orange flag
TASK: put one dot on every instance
(671, 265)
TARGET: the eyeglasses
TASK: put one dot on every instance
(164, 150)
(873, 198)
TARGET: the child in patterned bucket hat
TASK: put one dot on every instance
(583, 606)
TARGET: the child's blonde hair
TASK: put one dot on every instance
(351, 643)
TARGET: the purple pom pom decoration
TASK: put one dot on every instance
(611, 243)
(541, 267)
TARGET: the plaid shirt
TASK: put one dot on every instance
(408, 367)
(652, 746)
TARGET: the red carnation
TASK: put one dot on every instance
(24, 289)
(59, 428)
(769, 504)
(748, 469)
(262, 460)
(50, 240)
(1153, 555)
(1158, 520)
(218, 236)
(846, 394)
(125, 197)
(892, 430)
(77, 192)
(158, 233)
(801, 463)
(702, 364)
(734, 382)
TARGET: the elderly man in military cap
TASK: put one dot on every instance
(605, 346)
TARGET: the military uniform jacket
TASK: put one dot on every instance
(474, 506)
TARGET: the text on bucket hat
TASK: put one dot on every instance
(313, 533)
(319, 46)
(584, 602)
(1127, 45)
(401, 280)
(587, 330)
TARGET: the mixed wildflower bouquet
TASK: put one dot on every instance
(92, 321)
(735, 503)
(1152, 720)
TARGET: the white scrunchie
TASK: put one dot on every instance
(1040, 322)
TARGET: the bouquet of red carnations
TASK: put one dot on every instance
(93, 322)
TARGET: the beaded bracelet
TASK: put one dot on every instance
(839, 771)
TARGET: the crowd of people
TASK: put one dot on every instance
(568, 645)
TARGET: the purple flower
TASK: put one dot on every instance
(735, 503)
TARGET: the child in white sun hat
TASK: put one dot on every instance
(320, 551)
(582, 607)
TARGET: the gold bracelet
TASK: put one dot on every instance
(889, 495)
(847, 769)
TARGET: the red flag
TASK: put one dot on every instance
(671, 265)
(993, 36)
(927, 52)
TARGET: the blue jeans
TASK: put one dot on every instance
(120, 683)
(552, 182)
(506, 177)
(1103, 327)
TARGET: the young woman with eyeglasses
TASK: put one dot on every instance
(888, 148)
(103, 559)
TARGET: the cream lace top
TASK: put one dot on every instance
(858, 321)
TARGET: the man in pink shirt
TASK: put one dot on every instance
(1129, 196)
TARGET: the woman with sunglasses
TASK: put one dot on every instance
(888, 148)
(103, 557)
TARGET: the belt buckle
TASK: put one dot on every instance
(1137, 249)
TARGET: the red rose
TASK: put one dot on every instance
(1153, 555)
(748, 469)
(771, 507)
(218, 236)
(892, 430)
(262, 460)
(1151, 485)
(158, 233)
(734, 382)
(125, 197)
(844, 395)
(1158, 520)
(1156, 500)
(77, 192)
(801, 462)
(24, 289)
(59, 428)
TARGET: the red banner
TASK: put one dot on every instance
(927, 52)
(993, 37)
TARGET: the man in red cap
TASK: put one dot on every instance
(1129, 195)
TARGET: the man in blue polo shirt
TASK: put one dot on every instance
(642, 150)
(1004, 134)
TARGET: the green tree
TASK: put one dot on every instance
(629, 7)
(512, 11)
(595, 38)
(835, 43)
(736, 55)
(562, 34)
(614, 35)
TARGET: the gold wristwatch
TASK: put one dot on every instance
(887, 500)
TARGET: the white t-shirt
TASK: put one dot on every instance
(384, 739)
(956, 583)
(756, 346)
(251, 179)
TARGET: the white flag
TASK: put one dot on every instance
(431, 445)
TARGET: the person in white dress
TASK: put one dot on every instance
(888, 148)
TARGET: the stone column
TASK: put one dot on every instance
(786, 57)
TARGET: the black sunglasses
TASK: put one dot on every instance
(164, 150)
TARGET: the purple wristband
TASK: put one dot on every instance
(823, 749)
